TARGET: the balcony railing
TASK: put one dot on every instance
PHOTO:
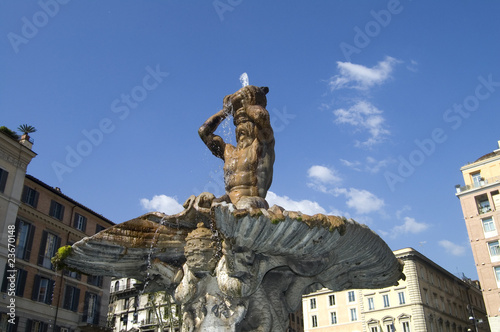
(482, 183)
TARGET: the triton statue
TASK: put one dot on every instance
(248, 166)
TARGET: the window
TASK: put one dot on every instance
(25, 232)
(371, 305)
(354, 315)
(406, 326)
(390, 328)
(36, 326)
(48, 247)
(72, 274)
(494, 249)
(126, 303)
(99, 228)
(422, 272)
(331, 300)
(333, 317)
(3, 179)
(497, 274)
(314, 319)
(483, 204)
(80, 222)
(42, 289)
(71, 298)
(426, 296)
(489, 226)
(20, 275)
(476, 179)
(313, 303)
(150, 317)
(351, 296)
(401, 298)
(30, 196)
(373, 329)
(56, 210)
(95, 280)
(386, 301)
(91, 308)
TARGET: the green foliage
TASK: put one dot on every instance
(26, 129)
(58, 259)
(12, 134)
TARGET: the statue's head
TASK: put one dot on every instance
(200, 251)
(248, 95)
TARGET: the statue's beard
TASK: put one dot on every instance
(244, 134)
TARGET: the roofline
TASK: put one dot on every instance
(54, 191)
(412, 252)
(480, 162)
(13, 142)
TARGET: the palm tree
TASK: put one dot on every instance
(26, 129)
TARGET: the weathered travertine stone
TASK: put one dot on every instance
(250, 276)
(232, 262)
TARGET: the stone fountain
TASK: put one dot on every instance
(233, 262)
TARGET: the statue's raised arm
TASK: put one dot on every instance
(248, 166)
(214, 142)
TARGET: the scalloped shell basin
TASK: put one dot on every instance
(344, 253)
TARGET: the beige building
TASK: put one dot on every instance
(430, 299)
(480, 201)
(36, 220)
(14, 159)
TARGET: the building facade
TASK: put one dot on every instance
(132, 310)
(34, 296)
(430, 299)
(480, 202)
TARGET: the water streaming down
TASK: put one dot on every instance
(226, 126)
(150, 254)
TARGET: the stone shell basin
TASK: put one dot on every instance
(336, 252)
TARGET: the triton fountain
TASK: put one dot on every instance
(233, 262)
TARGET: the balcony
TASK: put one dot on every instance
(482, 183)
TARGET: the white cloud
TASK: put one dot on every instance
(305, 206)
(404, 209)
(323, 174)
(351, 164)
(364, 116)
(356, 76)
(413, 66)
(410, 226)
(162, 203)
(371, 165)
(452, 248)
(362, 200)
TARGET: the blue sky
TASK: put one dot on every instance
(375, 104)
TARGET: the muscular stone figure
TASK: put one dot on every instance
(248, 166)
